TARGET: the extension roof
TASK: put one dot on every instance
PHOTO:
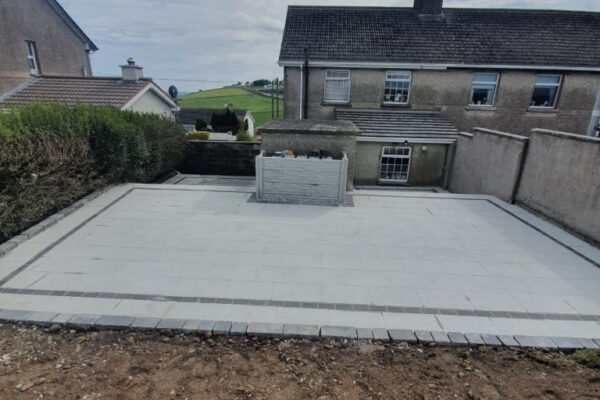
(504, 37)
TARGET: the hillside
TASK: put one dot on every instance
(259, 106)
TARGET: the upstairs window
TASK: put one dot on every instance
(34, 67)
(397, 87)
(545, 91)
(337, 86)
(483, 89)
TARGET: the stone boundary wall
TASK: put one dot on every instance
(301, 180)
(487, 162)
(555, 174)
(220, 158)
(561, 180)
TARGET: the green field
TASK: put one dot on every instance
(259, 106)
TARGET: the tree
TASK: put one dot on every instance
(225, 121)
(261, 82)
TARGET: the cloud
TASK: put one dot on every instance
(191, 42)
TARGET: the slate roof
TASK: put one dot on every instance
(398, 123)
(190, 115)
(97, 91)
(462, 36)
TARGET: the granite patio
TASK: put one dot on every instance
(204, 250)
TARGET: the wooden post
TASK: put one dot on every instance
(277, 95)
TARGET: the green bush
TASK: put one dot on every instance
(243, 136)
(199, 135)
(52, 154)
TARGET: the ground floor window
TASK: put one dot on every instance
(395, 164)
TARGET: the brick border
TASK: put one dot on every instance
(286, 331)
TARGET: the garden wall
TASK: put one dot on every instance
(220, 158)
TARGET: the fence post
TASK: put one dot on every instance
(343, 178)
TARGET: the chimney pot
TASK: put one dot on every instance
(131, 72)
(428, 7)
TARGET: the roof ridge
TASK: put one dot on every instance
(503, 9)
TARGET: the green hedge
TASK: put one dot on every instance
(51, 155)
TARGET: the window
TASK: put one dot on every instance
(397, 87)
(483, 89)
(337, 86)
(395, 163)
(34, 67)
(545, 91)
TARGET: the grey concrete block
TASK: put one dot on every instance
(491, 340)
(6, 247)
(300, 331)
(424, 336)
(264, 329)
(47, 223)
(62, 318)
(338, 332)
(115, 322)
(14, 315)
(144, 323)
(18, 239)
(197, 326)
(238, 328)
(222, 328)
(34, 230)
(82, 321)
(402, 335)
(458, 339)
(364, 334)
(474, 339)
(588, 343)
(537, 342)
(41, 318)
(567, 343)
(508, 341)
(381, 334)
(171, 323)
(441, 338)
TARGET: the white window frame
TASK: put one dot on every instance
(556, 85)
(474, 82)
(326, 78)
(398, 80)
(31, 50)
(408, 156)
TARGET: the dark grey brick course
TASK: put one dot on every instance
(364, 334)
(458, 339)
(222, 328)
(536, 342)
(491, 340)
(62, 318)
(441, 338)
(114, 322)
(82, 321)
(474, 339)
(339, 332)
(567, 344)
(508, 341)
(197, 326)
(41, 318)
(424, 336)
(173, 324)
(14, 315)
(238, 328)
(588, 343)
(402, 335)
(381, 334)
(143, 323)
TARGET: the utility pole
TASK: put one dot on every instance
(272, 103)
(277, 95)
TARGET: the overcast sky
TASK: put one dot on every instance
(202, 44)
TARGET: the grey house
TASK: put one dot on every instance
(39, 37)
(410, 78)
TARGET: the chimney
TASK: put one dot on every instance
(132, 72)
(428, 8)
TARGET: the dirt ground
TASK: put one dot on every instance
(62, 364)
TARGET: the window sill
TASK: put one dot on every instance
(480, 108)
(390, 182)
(394, 105)
(547, 110)
(336, 103)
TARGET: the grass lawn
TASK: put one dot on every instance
(259, 106)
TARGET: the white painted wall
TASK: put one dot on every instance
(151, 103)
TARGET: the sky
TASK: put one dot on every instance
(204, 44)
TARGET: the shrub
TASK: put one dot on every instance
(225, 122)
(244, 136)
(200, 124)
(199, 135)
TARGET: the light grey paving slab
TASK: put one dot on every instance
(143, 323)
(364, 334)
(83, 321)
(41, 318)
(62, 318)
(508, 341)
(491, 340)
(264, 329)
(424, 337)
(441, 338)
(381, 334)
(402, 335)
(300, 331)
(197, 326)
(238, 328)
(171, 323)
(588, 343)
(537, 342)
(115, 322)
(338, 332)
(14, 315)
(458, 339)
(222, 328)
(474, 339)
(567, 343)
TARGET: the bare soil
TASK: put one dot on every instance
(61, 364)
